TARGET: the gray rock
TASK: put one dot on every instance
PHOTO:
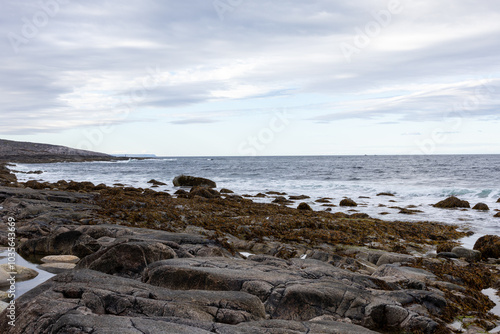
(468, 254)
(290, 290)
(192, 181)
(127, 259)
(389, 258)
(65, 243)
(99, 303)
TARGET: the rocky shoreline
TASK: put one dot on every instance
(204, 261)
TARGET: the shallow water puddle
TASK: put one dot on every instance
(25, 286)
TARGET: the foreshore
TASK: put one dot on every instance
(208, 261)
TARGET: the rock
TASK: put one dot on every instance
(388, 258)
(276, 193)
(448, 255)
(65, 243)
(57, 267)
(304, 206)
(60, 259)
(452, 202)
(404, 275)
(295, 289)
(489, 246)
(89, 301)
(446, 247)
(323, 200)
(281, 200)
(347, 202)
(4, 297)
(498, 200)
(385, 194)
(481, 206)
(298, 198)
(3, 306)
(192, 181)
(126, 259)
(203, 192)
(497, 215)
(156, 183)
(468, 254)
(22, 273)
(226, 191)
(294, 327)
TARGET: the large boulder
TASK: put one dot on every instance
(452, 202)
(489, 246)
(127, 259)
(192, 181)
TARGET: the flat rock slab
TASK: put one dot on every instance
(21, 273)
(60, 259)
(73, 300)
(292, 290)
(57, 268)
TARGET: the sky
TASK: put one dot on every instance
(260, 77)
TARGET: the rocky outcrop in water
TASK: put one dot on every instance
(192, 181)
(452, 202)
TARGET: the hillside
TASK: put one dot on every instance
(14, 151)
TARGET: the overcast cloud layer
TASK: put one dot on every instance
(86, 73)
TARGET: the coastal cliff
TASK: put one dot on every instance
(14, 151)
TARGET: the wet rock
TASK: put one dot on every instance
(156, 183)
(226, 191)
(60, 258)
(281, 200)
(203, 192)
(489, 246)
(452, 202)
(22, 273)
(468, 254)
(127, 259)
(446, 247)
(323, 200)
(276, 193)
(385, 194)
(481, 207)
(497, 215)
(347, 202)
(192, 181)
(304, 206)
(298, 198)
(404, 275)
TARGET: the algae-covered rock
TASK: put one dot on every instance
(489, 246)
(193, 181)
(347, 202)
(481, 206)
(452, 202)
(304, 206)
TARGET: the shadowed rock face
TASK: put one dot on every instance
(87, 301)
(34, 152)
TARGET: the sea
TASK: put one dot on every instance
(416, 182)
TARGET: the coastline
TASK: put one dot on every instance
(214, 230)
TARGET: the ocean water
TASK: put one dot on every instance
(414, 180)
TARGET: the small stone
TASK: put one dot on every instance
(226, 191)
(385, 194)
(60, 258)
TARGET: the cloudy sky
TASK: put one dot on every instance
(259, 77)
